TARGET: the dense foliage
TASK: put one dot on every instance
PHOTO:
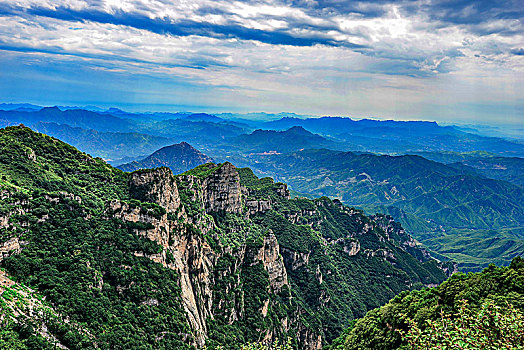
(326, 279)
(82, 262)
(475, 310)
(491, 327)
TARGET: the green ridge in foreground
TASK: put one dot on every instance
(482, 310)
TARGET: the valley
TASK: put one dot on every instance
(235, 235)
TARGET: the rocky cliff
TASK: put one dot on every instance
(214, 256)
(183, 240)
(212, 196)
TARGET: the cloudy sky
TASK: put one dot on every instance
(451, 61)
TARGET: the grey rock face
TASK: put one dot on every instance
(273, 262)
(222, 190)
(156, 186)
(193, 258)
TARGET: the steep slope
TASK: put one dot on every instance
(437, 203)
(214, 256)
(27, 321)
(179, 158)
(488, 296)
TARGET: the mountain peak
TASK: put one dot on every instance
(179, 157)
(51, 109)
(183, 144)
(298, 130)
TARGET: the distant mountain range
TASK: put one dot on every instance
(73, 117)
(179, 158)
(482, 163)
(209, 131)
(293, 139)
(108, 145)
(391, 136)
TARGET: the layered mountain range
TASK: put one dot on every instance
(453, 205)
(215, 132)
(212, 256)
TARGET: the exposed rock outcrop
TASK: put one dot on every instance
(186, 250)
(194, 260)
(156, 186)
(11, 246)
(294, 260)
(282, 190)
(270, 256)
(222, 190)
(258, 206)
(353, 248)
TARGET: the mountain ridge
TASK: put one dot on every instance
(432, 200)
(214, 255)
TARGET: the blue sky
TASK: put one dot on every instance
(450, 61)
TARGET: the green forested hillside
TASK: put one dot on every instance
(481, 311)
(215, 256)
(483, 163)
(54, 198)
(446, 209)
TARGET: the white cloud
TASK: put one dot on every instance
(408, 63)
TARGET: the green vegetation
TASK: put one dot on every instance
(331, 263)
(323, 235)
(480, 218)
(491, 327)
(83, 263)
(475, 311)
(43, 330)
(202, 171)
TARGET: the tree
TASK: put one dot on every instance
(490, 328)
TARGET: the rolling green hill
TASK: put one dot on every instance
(470, 218)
